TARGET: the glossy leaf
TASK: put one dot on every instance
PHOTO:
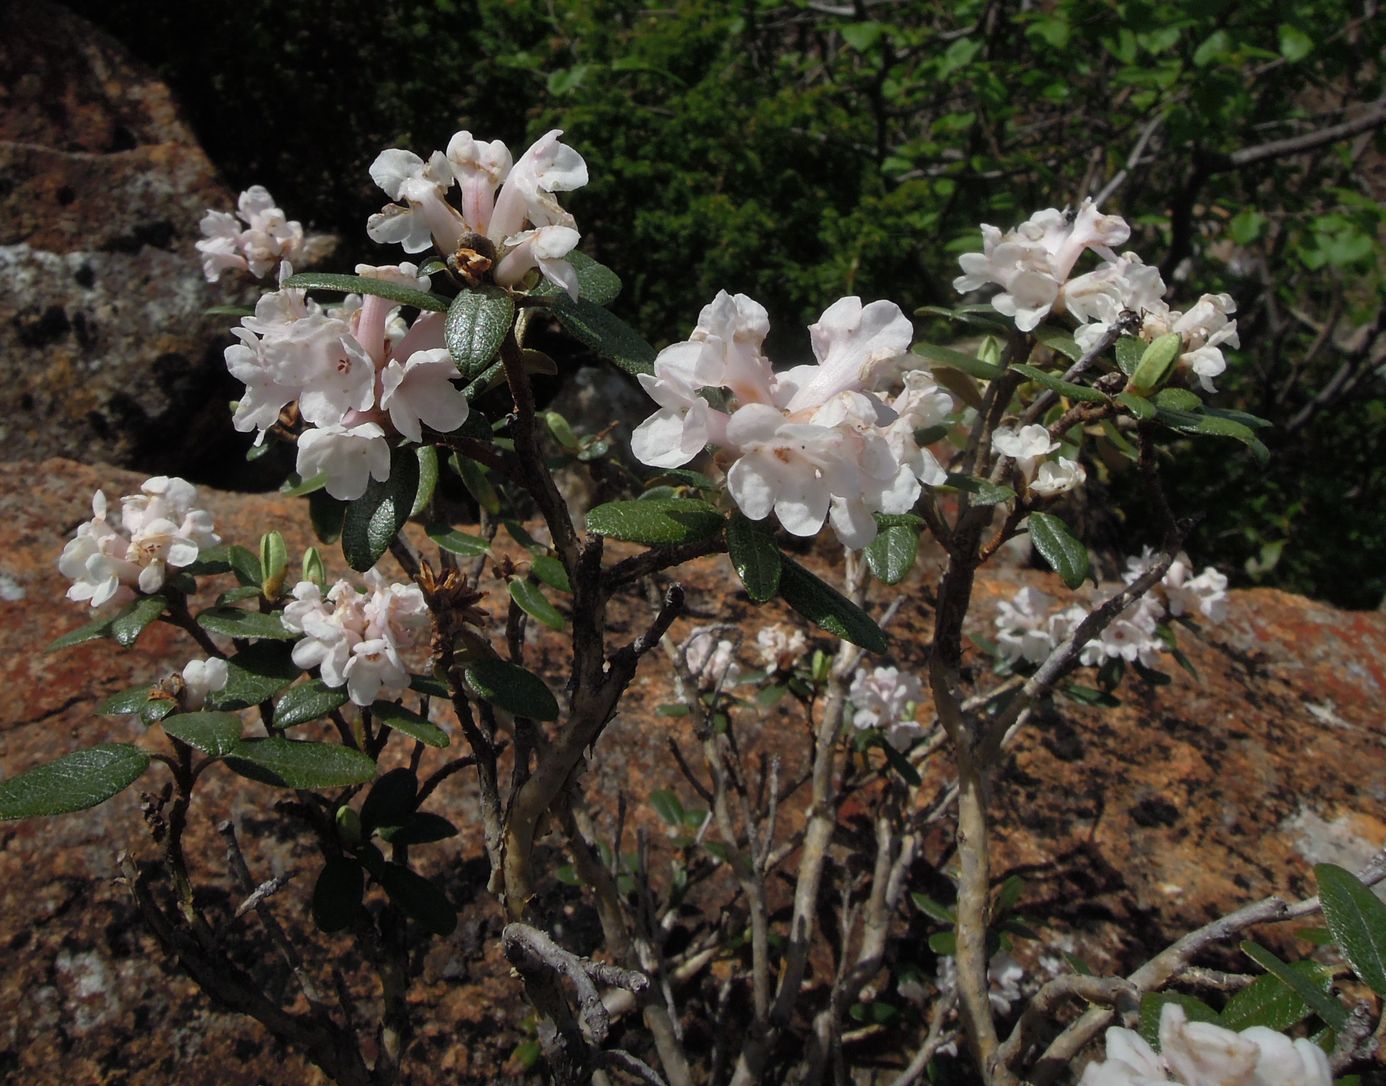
(550, 570)
(477, 323)
(891, 554)
(604, 333)
(828, 608)
(427, 456)
(1058, 384)
(983, 491)
(255, 674)
(391, 800)
(373, 520)
(656, 522)
(418, 898)
(421, 828)
(596, 282)
(407, 722)
(1065, 554)
(1190, 422)
(235, 622)
(337, 893)
(92, 631)
(74, 782)
(1333, 1013)
(471, 546)
(1268, 1001)
(1129, 350)
(307, 701)
(292, 763)
(532, 601)
(755, 557)
(127, 626)
(1139, 406)
(211, 733)
(957, 360)
(512, 688)
(126, 701)
(360, 284)
(1357, 919)
(1059, 341)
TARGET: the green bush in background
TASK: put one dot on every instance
(800, 151)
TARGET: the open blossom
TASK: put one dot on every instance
(710, 660)
(810, 443)
(1185, 594)
(1022, 626)
(202, 678)
(1203, 1054)
(886, 698)
(1026, 446)
(780, 647)
(359, 639)
(254, 240)
(512, 206)
(159, 528)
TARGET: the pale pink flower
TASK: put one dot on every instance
(781, 647)
(202, 678)
(886, 698)
(349, 457)
(267, 237)
(1027, 446)
(710, 660)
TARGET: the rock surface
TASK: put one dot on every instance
(1129, 825)
(109, 354)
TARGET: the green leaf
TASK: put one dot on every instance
(1059, 385)
(597, 283)
(293, 763)
(472, 546)
(658, 522)
(562, 432)
(1333, 1013)
(1357, 919)
(210, 560)
(326, 514)
(1178, 399)
(1128, 353)
(510, 687)
(754, 556)
(944, 944)
(1059, 341)
(234, 622)
(211, 733)
(74, 782)
(550, 570)
(668, 806)
(307, 701)
(983, 491)
(303, 487)
(427, 456)
(418, 898)
(974, 315)
(420, 828)
(933, 909)
(93, 630)
(429, 685)
(1190, 422)
(957, 360)
(1267, 1001)
(1295, 44)
(891, 554)
(828, 608)
(604, 333)
(127, 626)
(532, 601)
(360, 284)
(391, 800)
(1156, 362)
(274, 562)
(476, 326)
(255, 674)
(127, 701)
(375, 518)
(1064, 553)
(337, 894)
(407, 722)
(1152, 1005)
(478, 484)
(1139, 406)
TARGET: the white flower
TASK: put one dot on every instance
(1203, 1054)
(1130, 637)
(710, 661)
(1056, 478)
(421, 391)
(1023, 629)
(201, 678)
(267, 238)
(780, 647)
(423, 215)
(1206, 328)
(886, 698)
(1026, 446)
(348, 456)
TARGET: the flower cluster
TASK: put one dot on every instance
(1028, 446)
(356, 372)
(780, 647)
(1202, 1054)
(1033, 266)
(509, 223)
(256, 240)
(159, 528)
(1029, 629)
(711, 661)
(809, 443)
(358, 639)
(886, 699)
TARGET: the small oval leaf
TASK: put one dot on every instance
(510, 687)
(755, 557)
(407, 722)
(74, 782)
(234, 622)
(373, 520)
(658, 522)
(211, 733)
(532, 601)
(337, 894)
(306, 702)
(127, 626)
(596, 282)
(1059, 547)
(292, 763)
(418, 898)
(254, 674)
(1357, 919)
(828, 608)
(891, 554)
(476, 325)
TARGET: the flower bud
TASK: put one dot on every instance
(348, 826)
(274, 561)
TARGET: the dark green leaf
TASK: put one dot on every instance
(471, 546)
(1139, 406)
(532, 601)
(1190, 422)
(407, 722)
(604, 333)
(360, 284)
(211, 733)
(326, 514)
(597, 283)
(210, 560)
(1152, 1005)
(900, 764)
(1064, 553)
(1059, 385)
(234, 622)
(891, 554)
(428, 478)
(510, 687)
(1178, 399)
(420, 828)
(550, 570)
(245, 564)
(754, 556)
(418, 898)
(1267, 1001)
(307, 701)
(478, 484)
(127, 701)
(1128, 353)
(933, 909)
(1357, 919)
(337, 894)
(667, 806)
(828, 608)
(292, 763)
(391, 800)
(1333, 1013)
(1059, 341)
(476, 326)
(965, 315)
(74, 782)
(255, 674)
(957, 360)
(294, 487)
(983, 491)
(944, 943)
(656, 523)
(429, 685)
(375, 518)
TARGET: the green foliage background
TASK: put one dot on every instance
(799, 152)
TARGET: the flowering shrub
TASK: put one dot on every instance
(306, 687)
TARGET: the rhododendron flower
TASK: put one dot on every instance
(1026, 446)
(886, 698)
(780, 647)
(202, 678)
(1056, 477)
(1022, 625)
(523, 221)
(805, 444)
(710, 661)
(349, 457)
(1203, 1054)
(267, 237)
(1185, 594)
(159, 528)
